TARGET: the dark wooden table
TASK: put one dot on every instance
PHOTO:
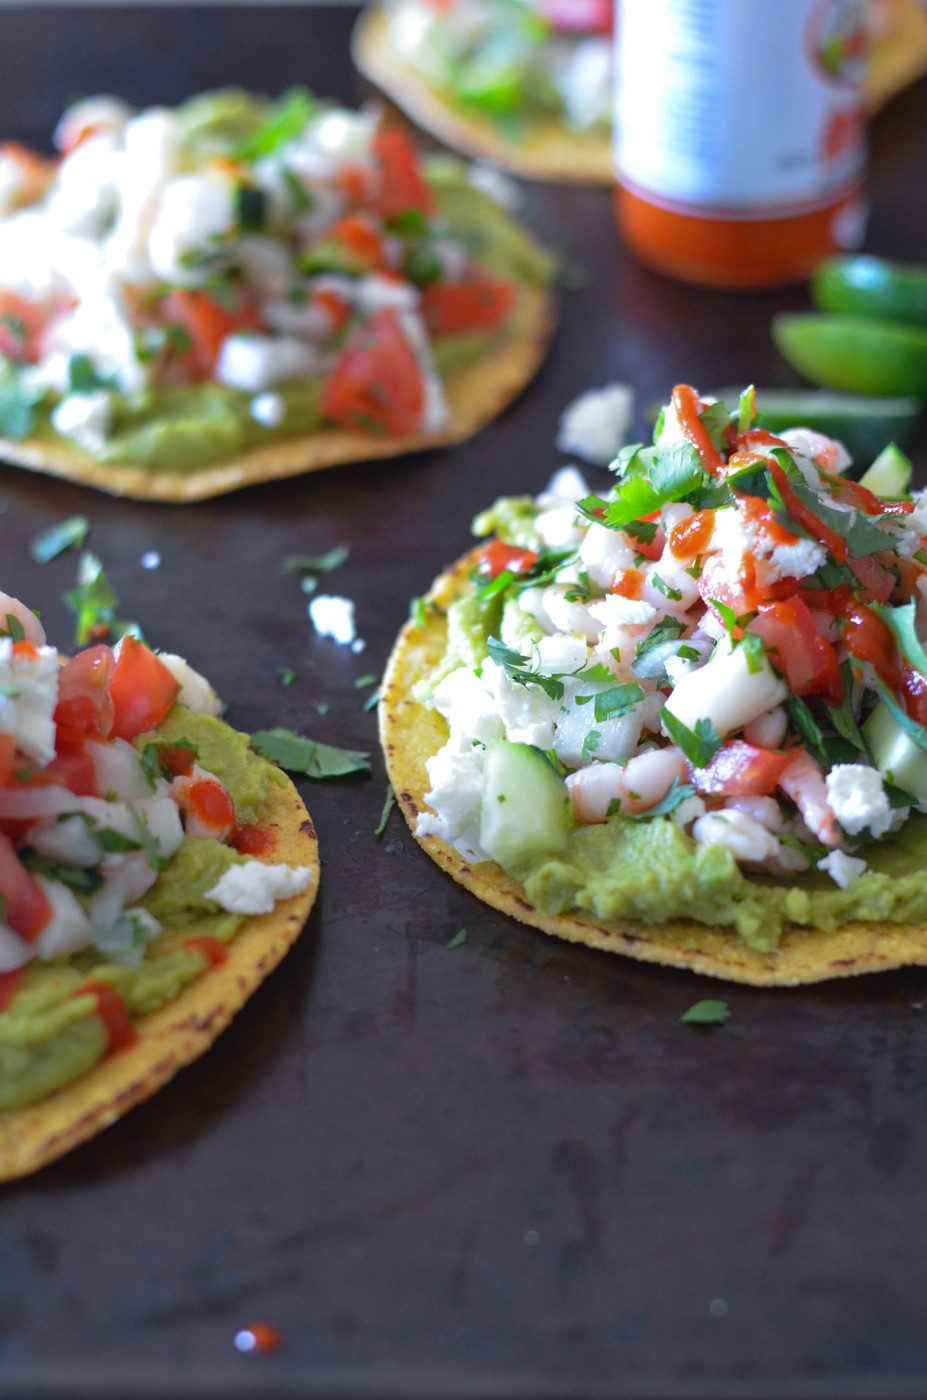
(503, 1170)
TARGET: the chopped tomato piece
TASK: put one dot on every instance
(111, 1009)
(808, 662)
(75, 769)
(177, 758)
(361, 239)
(9, 981)
(376, 385)
(142, 687)
(877, 582)
(335, 307)
(497, 556)
(85, 705)
(403, 185)
(480, 303)
(207, 323)
(21, 326)
(739, 769)
(26, 908)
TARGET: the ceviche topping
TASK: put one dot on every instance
(729, 640)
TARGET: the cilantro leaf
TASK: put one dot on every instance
(596, 674)
(677, 470)
(78, 878)
(250, 208)
(94, 603)
(17, 403)
(746, 409)
(315, 563)
(388, 805)
(634, 460)
(515, 667)
(283, 121)
(69, 534)
(620, 700)
(668, 629)
(590, 743)
(285, 676)
(299, 754)
(115, 841)
(458, 939)
(677, 793)
(16, 631)
(860, 531)
(699, 744)
(706, 1013)
(842, 717)
(83, 377)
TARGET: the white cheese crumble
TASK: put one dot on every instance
(857, 797)
(85, 418)
(842, 869)
(596, 424)
(254, 362)
(268, 409)
(254, 888)
(333, 617)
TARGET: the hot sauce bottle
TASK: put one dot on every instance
(739, 135)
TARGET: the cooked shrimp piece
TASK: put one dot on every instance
(33, 631)
(803, 781)
(636, 787)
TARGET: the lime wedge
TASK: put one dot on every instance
(866, 286)
(864, 425)
(853, 353)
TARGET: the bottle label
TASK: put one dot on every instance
(744, 110)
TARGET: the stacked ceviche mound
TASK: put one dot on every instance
(143, 849)
(687, 718)
(281, 282)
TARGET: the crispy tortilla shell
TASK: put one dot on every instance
(177, 1032)
(475, 395)
(546, 151)
(411, 733)
(898, 55)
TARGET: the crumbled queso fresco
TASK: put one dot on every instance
(729, 638)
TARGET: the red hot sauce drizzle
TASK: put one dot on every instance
(9, 981)
(211, 949)
(111, 1010)
(687, 404)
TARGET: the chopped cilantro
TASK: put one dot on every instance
(388, 805)
(677, 793)
(613, 703)
(285, 675)
(69, 534)
(458, 939)
(418, 613)
(14, 628)
(706, 1013)
(315, 563)
(699, 744)
(673, 594)
(299, 754)
(250, 208)
(590, 743)
(687, 653)
(283, 120)
(362, 682)
(373, 699)
(94, 603)
(514, 665)
(83, 377)
(115, 841)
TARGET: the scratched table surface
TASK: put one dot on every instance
(502, 1170)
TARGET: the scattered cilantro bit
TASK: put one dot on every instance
(83, 378)
(145, 840)
(644, 531)
(372, 701)
(94, 603)
(115, 841)
(13, 628)
(250, 208)
(458, 939)
(706, 1013)
(754, 650)
(69, 534)
(362, 682)
(283, 121)
(668, 629)
(514, 665)
(315, 563)
(746, 409)
(590, 743)
(418, 612)
(699, 744)
(299, 754)
(687, 653)
(842, 717)
(80, 880)
(678, 792)
(18, 403)
(285, 675)
(673, 594)
(597, 673)
(716, 420)
(613, 703)
(388, 805)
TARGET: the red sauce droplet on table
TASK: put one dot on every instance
(258, 1337)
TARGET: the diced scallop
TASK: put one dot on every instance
(68, 929)
(616, 738)
(118, 769)
(560, 655)
(726, 692)
(567, 616)
(14, 952)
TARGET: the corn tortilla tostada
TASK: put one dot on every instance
(413, 51)
(683, 722)
(154, 870)
(238, 290)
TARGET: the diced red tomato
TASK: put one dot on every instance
(480, 303)
(178, 758)
(85, 706)
(361, 239)
(739, 769)
(877, 582)
(9, 981)
(808, 662)
(207, 323)
(142, 688)
(22, 324)
(335, 307)
(111, 1009)
(403, 185)
(7, 750)
(27, 910)
(497, 556)
(376, 385)
(75, 769)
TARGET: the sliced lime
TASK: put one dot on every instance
(853, 353)
(866, 286)
(864, 425)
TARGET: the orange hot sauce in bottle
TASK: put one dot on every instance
(739, 135)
